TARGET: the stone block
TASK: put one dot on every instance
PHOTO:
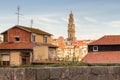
(6, 74)
(99, 70)
(56, 73)
(19, 74)
(42, 73)
(30, 74)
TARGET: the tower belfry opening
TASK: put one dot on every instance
(71, 28)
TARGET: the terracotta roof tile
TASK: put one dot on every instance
(61, 45)
(23, 45)
(17, 45)
(107, 40)
(49, 45)
(102, 57)
(79, 43)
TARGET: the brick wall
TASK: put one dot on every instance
(23, 35)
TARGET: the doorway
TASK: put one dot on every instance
(25, 58)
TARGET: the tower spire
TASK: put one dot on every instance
(71, 28)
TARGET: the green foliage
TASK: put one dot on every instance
(64, 64)
(1, 64)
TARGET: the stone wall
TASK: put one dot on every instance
(61, 73)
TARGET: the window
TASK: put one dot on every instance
(33, 38)
(95, 48)
(44, 39)
(5, 59)
(17, 39)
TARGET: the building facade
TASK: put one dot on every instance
(23, 45)
(67, 51)
(104, 50)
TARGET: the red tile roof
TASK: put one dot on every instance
(107, 40)
(49, 45)
(102, 57)
(16, 45)
(79, 43)
(23, 45)
(61, 45)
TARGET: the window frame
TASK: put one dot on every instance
(33, 35)
(95, 48)
(17, 37)
(44, 39)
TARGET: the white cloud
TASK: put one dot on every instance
(114, 23)
(44, 18)
(5, 26)
(50, 24)
(7, 17)
(39, 19)
(90, 19)
(64, 20)
(87, 37)
(48, 20)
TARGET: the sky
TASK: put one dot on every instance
(93, 18)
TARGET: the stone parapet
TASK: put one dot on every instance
(62, 73)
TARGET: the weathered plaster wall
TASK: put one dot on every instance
(40, 53)
(39, 38)
(15, 58)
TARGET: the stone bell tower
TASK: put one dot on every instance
(71, 28)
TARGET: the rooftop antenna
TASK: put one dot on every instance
(18, 14)
(31, 23)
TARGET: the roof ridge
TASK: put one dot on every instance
(107, 40)
(34, 30)
(110, 35)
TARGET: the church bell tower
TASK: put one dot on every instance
(71, 28)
